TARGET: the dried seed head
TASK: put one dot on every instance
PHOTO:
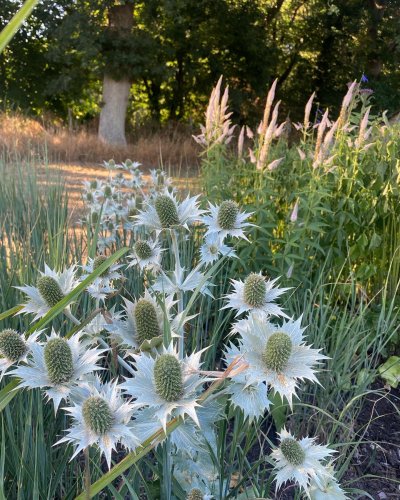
(254, 290)
(168, 377)
(12, 345)
(143, 250)
(97, 415)
(50, 290)
(146, 320)
(227, 214)
(277, 351)
(195, 494)
(292, 451)
(58, 359)
(98, 261)
(166, 211)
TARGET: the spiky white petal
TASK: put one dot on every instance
(35, 373)
(255, 334)
(122, 430)
(237, 301)
(6, 364)
(142, 386)
(311, 467)
(175, 282)
(213, 227)
(213, 247)
(36, 304)
(152, 262)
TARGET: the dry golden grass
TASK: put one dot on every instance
(22, 137)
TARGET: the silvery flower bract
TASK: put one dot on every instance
(58, 365)
(299, 460)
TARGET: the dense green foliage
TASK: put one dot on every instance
(177, 49)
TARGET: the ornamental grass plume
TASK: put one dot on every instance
(217, 128)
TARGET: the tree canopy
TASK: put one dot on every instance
(177, 49)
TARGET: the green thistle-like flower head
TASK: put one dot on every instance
(95, 217)
(166, 211)
(98, 261)
(97, 415)
(168, 378)
(146, 320)
(50, 290)
(107, 191)
(139, 202)
(58, 359)
(277, 351)
(227, 214)
(292, 451)
(12, 346)
(93, 184)
(195, 494)
(254, 290)
(143, 250)
(89, 197)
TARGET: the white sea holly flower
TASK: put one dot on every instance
(213, 247)
(146, 254)
(167, 384)
(51, 287)
(226, 220)
(144, 321)
(299, 461)
(276, 355)
(326, 487)
(14, 348)
(252, 399)
(102, 285)
(164, 211)
(257, 295)
(57, 366)
(169, 285)
(160, 178)
(101, 417)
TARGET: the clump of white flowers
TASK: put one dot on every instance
(175, 248)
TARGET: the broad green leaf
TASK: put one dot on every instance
(10, 312)
(7, 393)
(15, 23)
(390, 371)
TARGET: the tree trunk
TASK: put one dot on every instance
(116, 92)
(113, 112)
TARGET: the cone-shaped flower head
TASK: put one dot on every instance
(50, 290)
(293, 452)
(195, 494)
(168, 377)
(12, 345)
(143, 250)
(58, 359)
(101, 417)
(166, 384)
(97, 415)
(300, 461)
(277, 351)
(254, 290)
(227, 215)
(14, 348)
(146, 320)
(226, 220)
(166, 211)
(58, 366)
(257, 295)
(51, 287)
(143, 322)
